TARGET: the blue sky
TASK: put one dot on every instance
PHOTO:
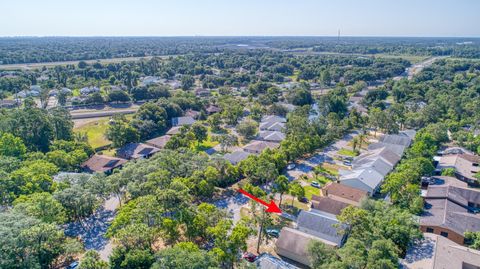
(242, 17)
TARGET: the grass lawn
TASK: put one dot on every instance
(209, 143)
(347, 152)
(411, 58)
(309, 191)
(95, 132)
(331, 168)
(76, 92)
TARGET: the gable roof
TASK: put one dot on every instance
(320, 225)
(236, 156)
(259, 146)
(328, 205)
(293, 244)
(398, 139)
(272, 126)
(438, 252)
(136, 151)
(159, 142)
(274, 136)
(174, 130)
(343, 191)
(368, 176)
(102, 163)
(448, 214)
(187, 120)
(273, 118)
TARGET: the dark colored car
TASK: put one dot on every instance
(273, 233)
(250, 257)
(73, 265)
(303, 200)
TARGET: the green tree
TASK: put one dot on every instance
(120, 132)
(91, 260)
(11, 146)
(473, 239)
(297, 191)
(185, 255)
(200, 132)
(42, 206)
(247, 128)
(281, 186)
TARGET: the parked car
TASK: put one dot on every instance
(273, 233)
(250, 257)
(73, 265)
(303, 200)
(315, 184)
(347, 163)
(291, 166)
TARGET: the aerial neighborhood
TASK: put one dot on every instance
(239, 152)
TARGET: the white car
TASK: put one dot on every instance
(291, 166)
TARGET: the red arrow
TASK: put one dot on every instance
(271, 207)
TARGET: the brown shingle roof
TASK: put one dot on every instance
(328, 205)
(344, 191)
(158, 142)
(102, 163)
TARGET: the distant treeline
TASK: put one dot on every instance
(16, 50)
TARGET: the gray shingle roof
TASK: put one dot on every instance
(398, 139)
(183, 121)
(320, 225)
(236, 156)
(273, 136)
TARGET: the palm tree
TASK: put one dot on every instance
(281, 186)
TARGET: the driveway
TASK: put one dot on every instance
(92, 229)
(232, 204)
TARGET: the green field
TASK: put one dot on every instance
(347, 152)
(95, 132)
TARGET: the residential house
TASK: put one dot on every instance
(192, 113)
(236, 156)
(133, 151)
(273, 118)
(174, 130)
(102, 164)
(200, 92)
(448, 211)
(343, 193)
(256, 146)
(149, 80)
(311, 225)
(272, 126)
(327, 205)
(466, 166)
(211, 109)
(159, 142)
(366, 179)
(89, 90)
(180, 121)
(9, 103)
(271, 136)
(438, 252)
(323, 226)
(293, 244)
(402, 138)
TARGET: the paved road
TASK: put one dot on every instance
(306, 166)
(232, 204)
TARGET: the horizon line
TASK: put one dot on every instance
(216, 36)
